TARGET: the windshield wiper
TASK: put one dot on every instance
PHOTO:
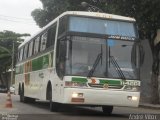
(118, 69)
(99, 57)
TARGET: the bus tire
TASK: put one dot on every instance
(22, 98)
(19, 89)
(54, 106)
(107, 110)
(20, 94)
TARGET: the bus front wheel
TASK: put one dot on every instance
(54, 106)
(107, 110)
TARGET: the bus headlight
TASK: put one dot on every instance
(75, 84)
(77, 95)
(134, 98)
(132, 88)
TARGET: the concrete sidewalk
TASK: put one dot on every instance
(150, 106)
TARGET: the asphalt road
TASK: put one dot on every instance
(40, 111)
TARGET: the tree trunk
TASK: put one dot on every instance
(154, 77)
(1, 80)
(154, 89)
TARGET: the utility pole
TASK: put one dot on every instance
(12, 66)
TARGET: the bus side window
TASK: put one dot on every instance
(17, 56)
(60, 59)
(36, 45)
(43, 41)
(30, 49)
(51, 36)
(21, 54)
(25, 54)
(62, 26)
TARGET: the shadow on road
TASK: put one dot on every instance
(74, 111)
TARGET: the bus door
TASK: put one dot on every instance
(60, 64)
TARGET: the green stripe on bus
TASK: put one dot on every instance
(42, 62)
(81, 80)
(39, 63)
(110, 82)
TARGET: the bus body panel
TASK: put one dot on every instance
(102, 97)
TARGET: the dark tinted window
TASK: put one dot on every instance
(43, 41)
(51, 36)
(62, 25)
(30, 49)
(36, 45)
(25, 55)
(61, 56)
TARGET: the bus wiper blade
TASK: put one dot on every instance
(99, 57)
(118, 69)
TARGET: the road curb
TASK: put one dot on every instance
(150, 106)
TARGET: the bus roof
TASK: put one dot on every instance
(81, 13)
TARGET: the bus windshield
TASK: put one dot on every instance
(120, 63)
(100, 26)
(96, 57)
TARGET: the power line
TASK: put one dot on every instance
(21, 22)
(16, 17)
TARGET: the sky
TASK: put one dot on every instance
(15, 15)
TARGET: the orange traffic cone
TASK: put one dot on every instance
(8, 101)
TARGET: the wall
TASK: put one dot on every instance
(146, 71)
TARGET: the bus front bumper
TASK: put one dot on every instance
(100, 97)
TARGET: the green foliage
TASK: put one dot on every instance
(53, 8)
(6, 43)
(146, 12)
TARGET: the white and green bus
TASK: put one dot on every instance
(81, 58)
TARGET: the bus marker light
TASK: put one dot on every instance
(77, 99)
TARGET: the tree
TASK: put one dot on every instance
(6, 43)
(53, 8)
(146, 12)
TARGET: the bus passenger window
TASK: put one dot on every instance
(21, 54)
(30, 49)
(36, 45)
(51, 36)
(18, 56)
(25, 55)
(61, 57)
(62, 26)
(43, 41)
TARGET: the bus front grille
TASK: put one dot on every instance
(102, 86)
